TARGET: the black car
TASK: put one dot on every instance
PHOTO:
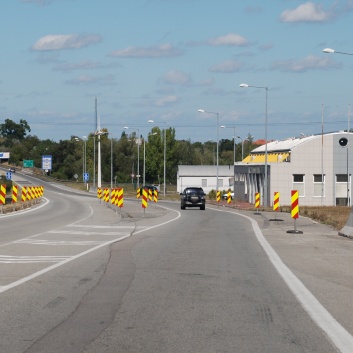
(192, 197)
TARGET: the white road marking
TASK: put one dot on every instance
(63, 231)
(72, 258)
(57, 242)
(4, 259)
(335, 332)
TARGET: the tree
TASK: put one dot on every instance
(14, 131)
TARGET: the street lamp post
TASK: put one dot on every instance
(85, 159)
(242, 147)
(138, 155)
(94, 161)
(217, 114)
(332, 51)
(233, 127)
(165, 149)
(84, 156)
(111, 161)
(244, 85)
(99, 133)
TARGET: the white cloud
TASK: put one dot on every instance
(309, 63)
(164, 50)
(266, 46)
(166, 101)
(65, 41)
(207, 82)
(83, 65)
(308, 12)
(90, 80)
(227, 66)
(175, 77)
(231, 39)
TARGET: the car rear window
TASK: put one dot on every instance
(193, 191)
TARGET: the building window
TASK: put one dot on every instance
(341, 178)
(220, 183)
(299, 183)
(319, 185)
(342, 189)
(204, 183)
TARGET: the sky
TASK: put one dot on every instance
(163, 60)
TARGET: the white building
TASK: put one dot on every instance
(205, 176)
(318, 166)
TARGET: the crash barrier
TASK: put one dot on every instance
(152, 195)
(119, 198)
(106, 195)
(144, 202)
(2, 194)
(276, 201)
(29, 195)
(116, 196)
(295, 211)
(14, 193)
(99, 193)
(257, 202)
(218, 195)
(113, 196)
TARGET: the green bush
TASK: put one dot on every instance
(8, 183)
(58, 175)
(212, 195)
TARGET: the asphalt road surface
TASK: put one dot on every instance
(79, 276)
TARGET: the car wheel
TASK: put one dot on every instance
(202, 208)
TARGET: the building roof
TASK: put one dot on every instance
(290, 143)
(284, 145)
(279, 151)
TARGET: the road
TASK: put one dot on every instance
(77, 276)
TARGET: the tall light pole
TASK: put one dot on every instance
(233, 127)
(111, 161)
(85, 159)
(332, 51)
(242, 147)
(165, 149)
(245, 85)
(138, 155)
(99, 133)
(83, 156)
(94, 161)
(217, 114)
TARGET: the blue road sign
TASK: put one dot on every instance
(8, 175)
(85, 176)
